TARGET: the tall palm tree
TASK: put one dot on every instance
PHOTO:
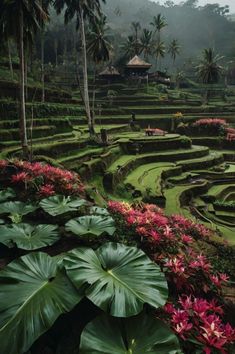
(159, 52)
(146, 43)
(129, 47)
(98, 48)
(174, 49)
(209, 70)
(22, 19)
(45, 6)
(136, 27)
(82, 11)
(158, 23)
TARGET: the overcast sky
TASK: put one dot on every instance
(231, 3)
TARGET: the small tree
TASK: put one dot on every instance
(209, 70)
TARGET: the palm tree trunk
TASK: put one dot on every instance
(23, 129)
(42, 64)
(85, 77)
(10, 59)
(56, 52)
(93, 97)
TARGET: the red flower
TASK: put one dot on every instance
(21, 177)
(3, 163)
(47, 190)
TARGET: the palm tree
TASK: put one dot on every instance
(174, 49)
(159, 52)
(82, 10)
(208, 69)
(98, 48)
(129, 46)
(158, 23)
(45, 6)
(136, 28)
(146, 43)
(21, 19)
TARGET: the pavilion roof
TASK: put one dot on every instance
(110, 71)
(137, 62)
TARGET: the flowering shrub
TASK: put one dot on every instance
(42, 179)
(199, 319)
(192, 279)
(210, 126)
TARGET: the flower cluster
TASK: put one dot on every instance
(150, 222)
(43, 179)
(191, 277)
(212, 122)
(186, 270)
(200, 319)
(209, 126)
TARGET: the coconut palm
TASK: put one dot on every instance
(146, 43)
(98, 48)
(209, 69)
(174, 49)
(159, 52)
(21, 19)
(129, 47)
(158, 23)
(82, 11)
(136, 27)
(45, 5)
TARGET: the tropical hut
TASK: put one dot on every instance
(137, 67)
(110, 74)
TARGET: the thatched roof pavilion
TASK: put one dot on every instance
(138, 63)
(109, 71)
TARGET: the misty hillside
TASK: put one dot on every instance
(195, 28)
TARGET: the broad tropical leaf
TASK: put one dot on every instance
(99, 211)
(7, 194)
(17, 210)
(60, 204)
(34, 291)
(91, 224)
(136, 335)
(117, 278)
(28, 237)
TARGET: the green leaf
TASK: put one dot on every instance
(17, 210)
(117, 278)
(29, 237)
(7, 194)
(34, 291)
(99, 211)
(91, 224)
(60, 204)
(136, 335)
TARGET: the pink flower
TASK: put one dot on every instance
(3, 163)
(21, 177)
(47, 190)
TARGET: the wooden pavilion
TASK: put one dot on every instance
(137, 67)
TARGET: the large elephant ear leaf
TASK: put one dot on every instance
(29, 237)
(137, 335)
(91, 224)
(34, 292)
(7, 194)
(99, 211)
(117, 278)
(17, 207)
(59, 204)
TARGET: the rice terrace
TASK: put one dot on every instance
(117, 177)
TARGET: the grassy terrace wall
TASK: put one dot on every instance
(40, 110)
(115, 174)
